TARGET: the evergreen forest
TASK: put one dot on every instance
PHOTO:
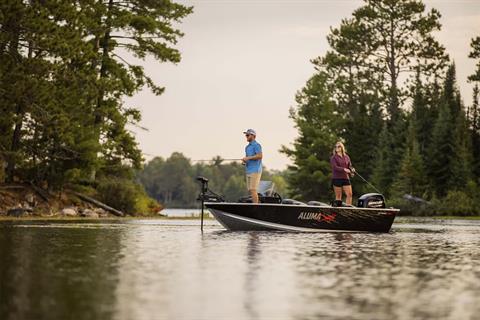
(386, 87)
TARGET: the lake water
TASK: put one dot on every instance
(167, 269)
(184, 213)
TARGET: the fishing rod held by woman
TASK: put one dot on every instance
(342, 170)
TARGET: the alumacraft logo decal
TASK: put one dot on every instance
(318, 216)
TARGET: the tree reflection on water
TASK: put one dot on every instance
(169, 270)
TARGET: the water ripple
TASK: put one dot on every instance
(157, 269)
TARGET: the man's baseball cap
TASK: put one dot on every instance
(250, 131)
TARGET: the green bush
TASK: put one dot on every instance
(410, 208)
(457, 203)
(126, 196)
(146, 205)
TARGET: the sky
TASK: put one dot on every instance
(243, 62)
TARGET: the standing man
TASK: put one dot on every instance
(253, 163)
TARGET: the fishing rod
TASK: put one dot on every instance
(371, 185)
(214, 160)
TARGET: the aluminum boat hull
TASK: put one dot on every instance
(299, 218)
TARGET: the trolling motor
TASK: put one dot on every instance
(206, 195)
(204, 184)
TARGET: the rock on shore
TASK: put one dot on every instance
(19, 200)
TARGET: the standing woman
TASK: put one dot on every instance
(342, 169)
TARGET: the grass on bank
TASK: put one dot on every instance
(455, 217)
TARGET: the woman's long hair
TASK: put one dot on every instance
(339, 143)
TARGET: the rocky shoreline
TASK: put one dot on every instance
(23, 200)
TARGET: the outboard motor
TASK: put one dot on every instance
(371, 200)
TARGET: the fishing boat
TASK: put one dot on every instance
(275, 213)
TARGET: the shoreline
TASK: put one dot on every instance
(439, 217)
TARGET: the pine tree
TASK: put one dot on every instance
(389, 154)
(462, 156)
(319, 126)
(63, 78)
(433, 99)
(358, 101)
(384, 42)
(441, 151)
(450, 94)
(35, 42)
(142, 28)
(362, 132)
(448, 167)
(421, 115)
(411, 178)
(475, 112)
(475, 54)
(401, 41)
(384, 171)
(475, 133)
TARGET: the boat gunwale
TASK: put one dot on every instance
(299, 206)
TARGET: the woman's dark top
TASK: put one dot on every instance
(338, 164)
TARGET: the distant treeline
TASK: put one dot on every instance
(172, 181)
(65, 67)
(388, 89)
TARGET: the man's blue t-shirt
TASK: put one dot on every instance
(252, 149)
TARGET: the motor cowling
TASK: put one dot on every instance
(371, 200)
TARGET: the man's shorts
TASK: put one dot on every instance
(253, 180)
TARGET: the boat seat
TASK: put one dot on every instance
(266, 188)
(317, 204)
